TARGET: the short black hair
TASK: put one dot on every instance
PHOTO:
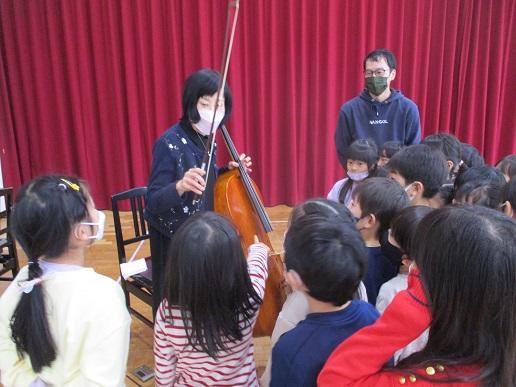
(381, 197)
(364, 150)
(446, 143)
(390, 148)
(201, 83)
(421, 163)
(507, 165)
(324, 247)
(485, 173)
(471, 156)
(479, 192)
(404, 224)
(444, 195)
(380, 53)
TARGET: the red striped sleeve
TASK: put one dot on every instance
(165, 360)
(257, 267)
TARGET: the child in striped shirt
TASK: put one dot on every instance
(203, 328)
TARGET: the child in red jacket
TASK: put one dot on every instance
(465, 294)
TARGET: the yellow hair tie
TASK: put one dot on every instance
(73, 186)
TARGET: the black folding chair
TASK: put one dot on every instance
(139, 285)
(8, 255)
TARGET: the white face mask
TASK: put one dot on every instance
(204, 124)
(100, 226)
(358, 176)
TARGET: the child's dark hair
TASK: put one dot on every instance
(201, 83)
(470, 281)
(361, 150)
(421, 163)
(320, 206)
(404, 224)
(364, 150)
(471, 156)
(485, 173)
(381, 197)
(390, 148)
(446, 143)
(507, 165)
(207, 278)
(45, 211)
(322, 242)
(445, 195)
(482, 193)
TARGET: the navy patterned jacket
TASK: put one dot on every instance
(174, 153)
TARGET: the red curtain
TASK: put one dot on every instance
(87, 86)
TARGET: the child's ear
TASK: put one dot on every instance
(406, 261)
(80, 232)
(418, 189)
(295, 281)
(371, 221)
(507, 209)
(450, 165)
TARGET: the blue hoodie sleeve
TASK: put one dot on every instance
(343, 136)
(413, 126)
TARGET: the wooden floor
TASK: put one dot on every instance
(102, 256)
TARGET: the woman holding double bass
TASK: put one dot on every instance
(169, 200)
(176, 176)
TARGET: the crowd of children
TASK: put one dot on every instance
(405, 274)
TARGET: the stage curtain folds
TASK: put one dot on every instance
(86, 87)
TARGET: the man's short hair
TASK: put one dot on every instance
(329, 255)
(421, 163)
(380, 53)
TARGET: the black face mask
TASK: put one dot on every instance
(391, 252)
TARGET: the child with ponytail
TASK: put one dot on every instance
(61, 323)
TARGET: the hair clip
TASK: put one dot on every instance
(27, 286)
(73, 186)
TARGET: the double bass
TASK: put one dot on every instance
(237, 197)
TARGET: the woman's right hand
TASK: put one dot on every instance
(192, 181)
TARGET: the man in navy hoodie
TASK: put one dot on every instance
(379, 112)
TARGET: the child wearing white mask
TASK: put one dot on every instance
(60, 322)
(362, 162)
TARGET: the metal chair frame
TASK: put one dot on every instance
(139, 285)
(8, 253)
